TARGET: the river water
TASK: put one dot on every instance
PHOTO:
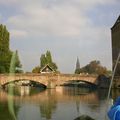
(62, 103)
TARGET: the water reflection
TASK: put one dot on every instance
(84, 117)
(55, 104)
(28, 112)
(19, 90)
(77, 91)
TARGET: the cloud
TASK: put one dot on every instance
(54, 18)
(65, 21)
(62, 25)
(8, 2)
(18, 33)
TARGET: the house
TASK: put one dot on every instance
(47, 69)
(115, 33)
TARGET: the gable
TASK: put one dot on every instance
(47, 69)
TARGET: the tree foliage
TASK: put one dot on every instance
(94, 67)
(5, 52)
(47, 59)
(4, 39)
(36, 69)
(18, 64)
(43, 60)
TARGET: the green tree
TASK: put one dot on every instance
(18, 65)
(94, 67)
(5, 52)
(36, 69)
(47, 59)
(54, 66)
(43, 60)
(4, 39)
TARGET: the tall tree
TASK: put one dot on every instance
(18, 65)
(43, 60)
(4, 39)
(54, 66)
(47, 59)
(5, 52)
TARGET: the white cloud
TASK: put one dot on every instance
(8, 2)
(54, 18)
(18, 34)
(63, 20)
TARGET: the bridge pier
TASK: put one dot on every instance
(51, 85)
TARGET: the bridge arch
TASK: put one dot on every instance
(80, 82)
(26, 82)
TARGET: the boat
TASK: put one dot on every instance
(114, 112)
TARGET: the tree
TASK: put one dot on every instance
(54, 66)
(43, 60)
(36, 69)
(18, 65)
(47, 59)
(15, 65)
(4, 39)
(94, 67)
(5, 52)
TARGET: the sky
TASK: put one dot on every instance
(68, 28)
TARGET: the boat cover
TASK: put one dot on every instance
(114, 112)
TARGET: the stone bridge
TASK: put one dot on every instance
(49, 80)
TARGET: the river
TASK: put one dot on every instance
(62, 103)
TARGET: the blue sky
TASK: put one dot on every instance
(68, 28)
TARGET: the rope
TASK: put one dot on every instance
(113, 74)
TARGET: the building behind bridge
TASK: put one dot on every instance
(115, 33)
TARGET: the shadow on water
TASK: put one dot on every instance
(80, 84)
(24, 89)
(84, 117)
(77, 90)
(102, 94)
